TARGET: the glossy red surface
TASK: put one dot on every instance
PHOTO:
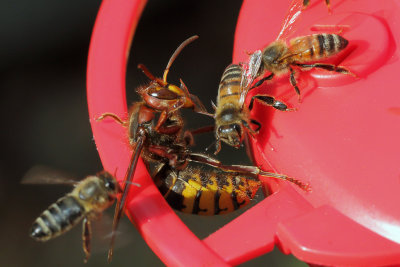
(343, 140)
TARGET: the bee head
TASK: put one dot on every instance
(110, 184)
(231, 134)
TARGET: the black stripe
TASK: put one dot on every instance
(70, 209)
(229, 95)
(310, 44)
(331, 42)
(234, 200)
(232, 67)
(231, 76)
(321, 44)
(196, 204)
(175, 198)
(228, 83)
(221, 181)
(217, 196)
(343, 43)
(60, 219)
(53, 228)
(163, 188)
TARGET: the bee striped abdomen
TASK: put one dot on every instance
(57, 219)
(203, 192)
(229, 86)
(316, 46)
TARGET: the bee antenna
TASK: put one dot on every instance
(176, 53)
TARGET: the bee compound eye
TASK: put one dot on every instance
(110, 184)
(237, 128)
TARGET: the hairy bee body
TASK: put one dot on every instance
(230, 114)
(278, 56)
(229, 86)
(316, 46)
(89, 198)
(60, 217)
(205, 192)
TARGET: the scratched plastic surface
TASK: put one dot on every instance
(343, 140)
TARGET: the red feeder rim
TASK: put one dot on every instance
(343, 140)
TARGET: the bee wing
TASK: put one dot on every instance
(119, 207)
(101, 229)
(292, 16)
(40, 174)
(249, 73)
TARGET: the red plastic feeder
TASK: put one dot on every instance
(343, 140)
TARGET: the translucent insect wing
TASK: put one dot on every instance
(293, 14)
(249, 73)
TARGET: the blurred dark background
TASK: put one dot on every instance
(43, 48)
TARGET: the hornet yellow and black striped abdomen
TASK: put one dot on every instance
(205, 192)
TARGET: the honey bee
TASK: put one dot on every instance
(232, 117)
(85, 203)
(166, 143)
(279, 58)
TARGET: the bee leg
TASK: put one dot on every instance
(217, 147)
(251, 131)
(204, 129)
(86, 237)
(256, 123)
(112, 116)
(269, 101)
(306, 3)
(293, 82)
(257, 84)
(328, 67)
(250, 170)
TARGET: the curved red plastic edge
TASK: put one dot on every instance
(164, 232)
